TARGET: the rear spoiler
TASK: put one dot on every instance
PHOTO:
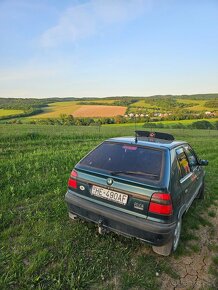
(153, 135)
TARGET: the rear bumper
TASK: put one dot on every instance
(151, 232)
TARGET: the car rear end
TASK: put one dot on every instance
(122, 186)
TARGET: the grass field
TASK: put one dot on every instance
(5, 112)
(187, 122)
(195, 105)
(168, 123)
(198, 105)
(54, 110)
(41, 249)
(143, 104)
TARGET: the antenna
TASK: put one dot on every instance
(136, 139)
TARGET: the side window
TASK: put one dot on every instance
(183, 162)
(191, 156)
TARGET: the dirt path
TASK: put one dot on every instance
(193, 270)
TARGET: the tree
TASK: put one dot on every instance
(202, 125)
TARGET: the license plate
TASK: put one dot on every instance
(109, 194)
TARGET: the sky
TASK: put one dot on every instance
(99, 48)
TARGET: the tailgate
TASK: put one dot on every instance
(114, 192)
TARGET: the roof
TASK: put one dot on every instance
(157, 143)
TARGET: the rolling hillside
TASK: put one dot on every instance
(109, 107)
(81, 109)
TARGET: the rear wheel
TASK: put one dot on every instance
(172, 245)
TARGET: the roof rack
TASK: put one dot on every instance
(153, 135)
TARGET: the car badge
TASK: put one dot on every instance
(152, 134)
(82, 187)
(110, 181)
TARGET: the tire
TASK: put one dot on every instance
(201, 192)
(172, 245)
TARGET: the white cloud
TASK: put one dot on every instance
(84, 20)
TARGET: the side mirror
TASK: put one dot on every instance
(203, 162)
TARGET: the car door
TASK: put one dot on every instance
(196, 169)
(187, 182)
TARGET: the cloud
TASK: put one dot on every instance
(84, 20)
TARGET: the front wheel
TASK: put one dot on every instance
(172, 245)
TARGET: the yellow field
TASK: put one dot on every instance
(54, 110)
(4, 112)
(99, 111)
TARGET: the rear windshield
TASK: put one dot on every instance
(138, 163)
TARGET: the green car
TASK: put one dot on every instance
(138, 186)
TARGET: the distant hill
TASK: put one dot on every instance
(53, 107)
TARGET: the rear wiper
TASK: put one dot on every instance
(131, 172)
(121, 171)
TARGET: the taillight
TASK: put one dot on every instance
(72, 180)
(161, 203)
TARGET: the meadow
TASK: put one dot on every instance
(81, 109)
(41, 249)
(53, 108)
(9, 112)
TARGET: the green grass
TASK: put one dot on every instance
(196, 105)
(191, 104)
(140, 125)
(9, 112)
(41, 249)
(54, 110)
(186, 122)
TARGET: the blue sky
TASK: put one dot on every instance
(108, 47)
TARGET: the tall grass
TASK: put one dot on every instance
(40, 248)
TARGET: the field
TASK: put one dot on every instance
(41, 249)
(54, 110)
(99, 111)
(196, 105)
(193, 105)
(10, 112)
(168, 123)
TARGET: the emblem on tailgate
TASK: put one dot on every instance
(110, 181)
(139, 205)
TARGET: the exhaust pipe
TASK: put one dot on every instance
(72, 216)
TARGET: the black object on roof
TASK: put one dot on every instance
(154, 135)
